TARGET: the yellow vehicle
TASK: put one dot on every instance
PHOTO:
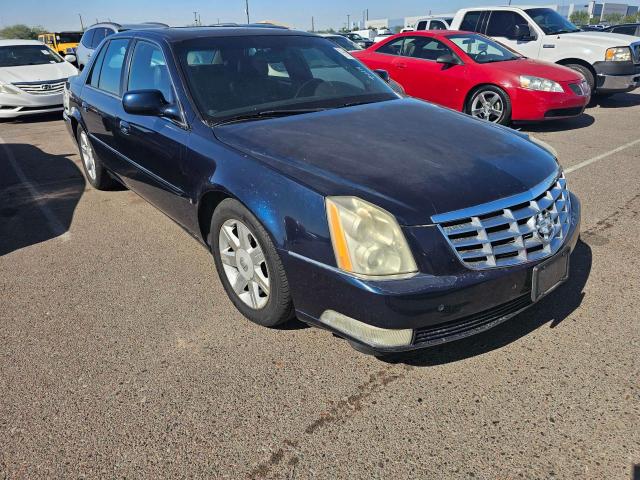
(64, 43)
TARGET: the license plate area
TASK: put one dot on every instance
(550, 274)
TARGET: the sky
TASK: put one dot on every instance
(57, 15)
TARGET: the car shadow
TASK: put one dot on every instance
(619, 100)
(39, 118)
(581, 121)
(551, 310)
(38, 195)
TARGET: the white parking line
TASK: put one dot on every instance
(54, 224)
(600, 157)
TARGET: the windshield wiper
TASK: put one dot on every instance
(245, 117)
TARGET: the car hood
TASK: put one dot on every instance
(37, 73)
(537, 68)
(601, 40)
(414, 160)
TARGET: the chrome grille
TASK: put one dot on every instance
(635, 49)
(524, 228)
(50, 87)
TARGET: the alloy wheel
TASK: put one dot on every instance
(244, 263)
(488, 106)
(87, 155)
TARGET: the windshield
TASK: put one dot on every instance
(482, 49)
(69, 37)
(551, 22)
(232, 77)
(19, 55)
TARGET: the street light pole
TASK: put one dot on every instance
(348, 21)
(246, 7)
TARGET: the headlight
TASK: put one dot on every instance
(544, 146)
(540, 84)
(618, 54)
(366, 239)
(8, 89)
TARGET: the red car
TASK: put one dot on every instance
(474, 74)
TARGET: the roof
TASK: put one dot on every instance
(11, 42)
(179, 34)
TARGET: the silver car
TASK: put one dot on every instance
(98, 32)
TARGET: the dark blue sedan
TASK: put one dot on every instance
(320, 192)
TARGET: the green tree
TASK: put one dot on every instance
(613, 18)
(21, 31)
(579, 17)
(630, 19)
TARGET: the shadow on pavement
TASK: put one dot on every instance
(38, 195)
(619, 100)
(39, 118)
(552, 310)
(582, 121)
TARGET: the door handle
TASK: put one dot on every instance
(125, 127)
(401, 65)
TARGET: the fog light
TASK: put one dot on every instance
(374, 336)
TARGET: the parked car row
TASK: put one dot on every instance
(253, 141)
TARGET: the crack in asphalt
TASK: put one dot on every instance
(341, 410)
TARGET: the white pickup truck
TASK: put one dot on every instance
(609, 62)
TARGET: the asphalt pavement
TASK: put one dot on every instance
(121, 356)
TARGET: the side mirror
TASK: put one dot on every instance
(150, 103)
(521, 32)
(70, 58)
(448, 60)
(383, 74)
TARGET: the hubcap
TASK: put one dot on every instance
(244, 263)
(487, 106)
(87, 155)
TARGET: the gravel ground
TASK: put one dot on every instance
(121, 356)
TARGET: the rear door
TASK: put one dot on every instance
(154, 146)
(102, 101)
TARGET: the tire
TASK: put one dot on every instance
(244, 272)
(586, 73)
(94, 171)
(494, 96)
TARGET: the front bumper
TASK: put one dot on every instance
(531, 105)
(439, 309)
(616, 77)
(17, 105)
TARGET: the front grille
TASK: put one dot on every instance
(50, 87)
(471, 324)
(516, 230)
(563, 112)
(635, 49)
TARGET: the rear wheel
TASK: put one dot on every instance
(249, 266)
(490, 103)
(95, 172)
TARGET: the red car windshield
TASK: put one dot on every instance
(482, 49)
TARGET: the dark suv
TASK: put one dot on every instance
(422, 227)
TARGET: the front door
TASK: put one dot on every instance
(502, 25)
(153, 145)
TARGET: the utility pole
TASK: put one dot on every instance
(313, 27)
(246, 7)
(195, 18)
(81, 24)
(199, 20)
(348, 21)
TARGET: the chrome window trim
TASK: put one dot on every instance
(502, 203)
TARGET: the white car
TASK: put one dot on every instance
(32, 78)
(610, 62)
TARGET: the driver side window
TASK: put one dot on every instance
(392, 48)
(425, 48)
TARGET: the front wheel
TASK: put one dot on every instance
(249, 265)
(490, 103)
